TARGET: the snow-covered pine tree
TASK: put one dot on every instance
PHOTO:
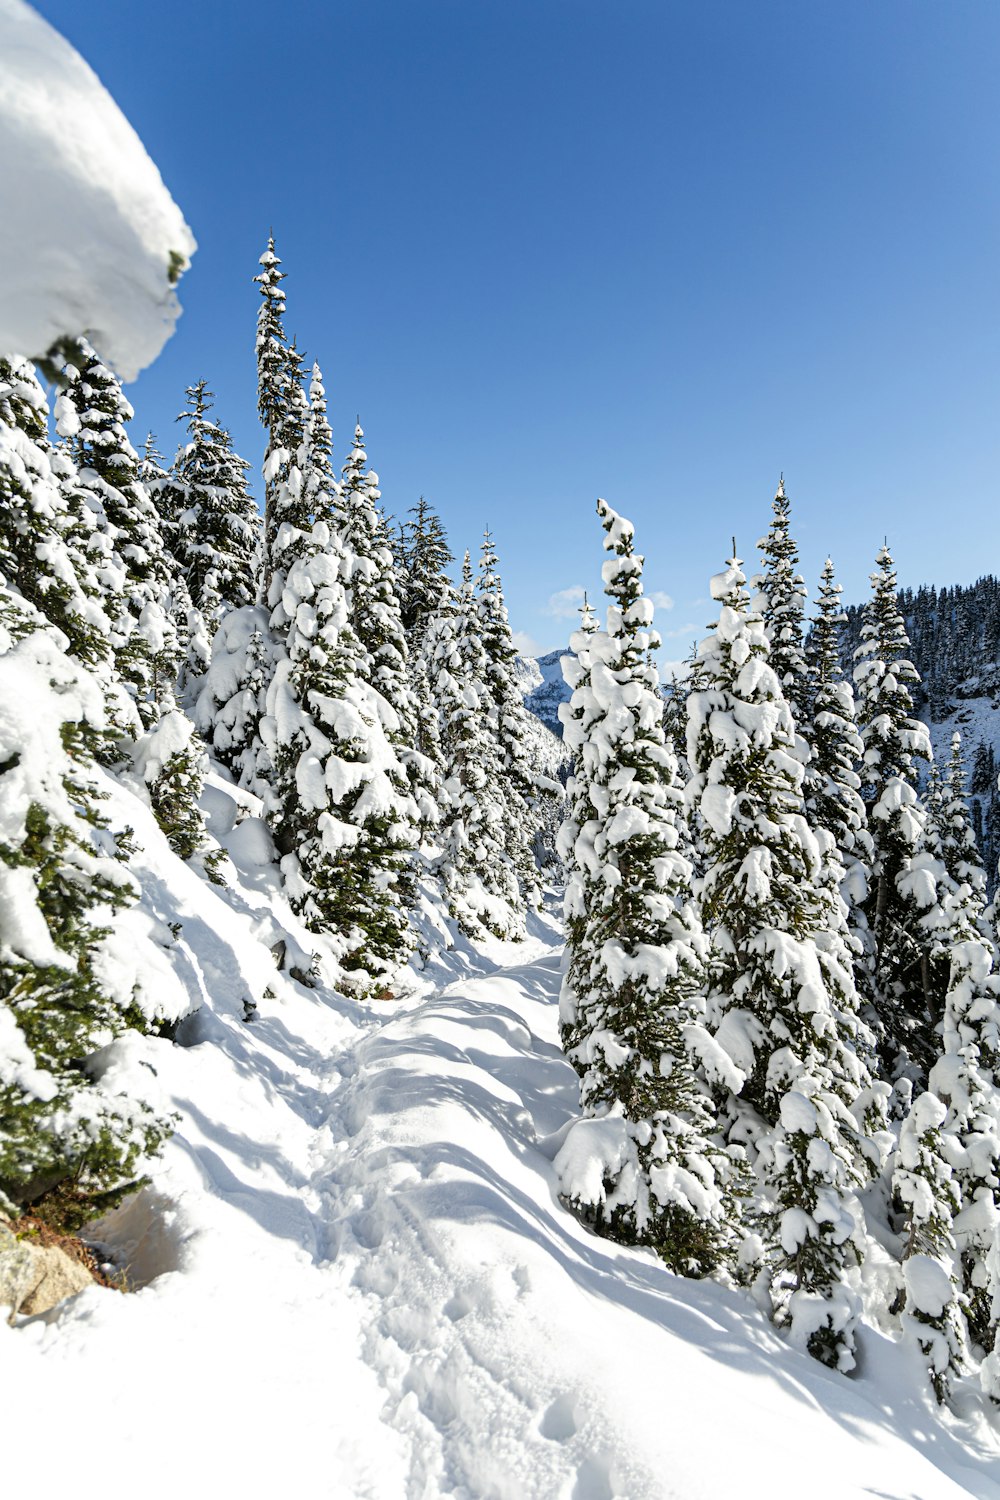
(321, 484)
(376, 619)
(425, 556)
(283, 410)
(783, 609)
(965, 1076)
(781, 998)
(341, 812)
(923, 1183)
(251, 641)
(641, 1165)
(217, 531)
(42, 538)
(577, 716)
(69, 983)
(478, 874)
(832, 785)
(125, 542)
(526, 792)
(901, 894)
(171, 760)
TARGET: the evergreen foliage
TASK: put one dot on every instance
(902, 890)
(479, 876)
(125, 543)
(781, 996)
(632, 1002)
(60, 998)
(783, 608)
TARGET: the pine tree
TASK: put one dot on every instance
(900, 897)
(63, 992)
(341, 812)
(42, 536)
(477, 872)
(425, 559)
(217, 534)
(781, 998)
(376, 618)
(965, 1075)
(923, 1184)
(125, 541)
(525, 791)
(641, 1165)
(578, 718)
(253, 641)
(172, 763)
(832, 786)
(783, 608)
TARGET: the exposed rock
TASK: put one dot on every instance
(17, 1271)
(34, 1278)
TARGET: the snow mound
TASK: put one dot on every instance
(98, 238)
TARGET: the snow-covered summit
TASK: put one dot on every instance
(543, 685)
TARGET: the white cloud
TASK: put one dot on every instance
(669, 669)
(565, 604)
(660, 600)
(524, 644)
(690, 631)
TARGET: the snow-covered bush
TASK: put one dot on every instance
(67, 987)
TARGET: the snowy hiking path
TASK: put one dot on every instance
(357, 1281)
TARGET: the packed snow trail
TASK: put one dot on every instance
(355, 1279)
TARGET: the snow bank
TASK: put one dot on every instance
(358, 1281)
(93, 237)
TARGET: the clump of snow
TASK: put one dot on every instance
(929, 1288)
(93, 237)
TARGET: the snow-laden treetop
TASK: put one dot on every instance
(94, 239)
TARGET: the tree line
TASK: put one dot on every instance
(151, 617)
(782, 991)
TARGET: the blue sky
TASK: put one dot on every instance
(551, 249)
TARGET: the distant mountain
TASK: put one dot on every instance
(541, 681)
(955, 646)
(955, 639)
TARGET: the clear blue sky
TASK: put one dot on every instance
(550, 249)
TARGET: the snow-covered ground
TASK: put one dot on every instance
(354, 1278)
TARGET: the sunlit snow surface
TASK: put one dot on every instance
(355, 1279)
(89, 225)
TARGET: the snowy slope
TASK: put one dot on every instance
(355, 1279)
(95, 227)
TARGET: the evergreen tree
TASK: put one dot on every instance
(341, 814)
(632, 1007)
(477, 872)
(965, 1075)
(425, 559)
(923, 1184)
(125, 541)
(783, 607)
(42, 536)
(64, 993)
(832, 785)
(525, 790)
(900, 896)
(217, 522)
(781, 996)
(173, 764)
(376, 618)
